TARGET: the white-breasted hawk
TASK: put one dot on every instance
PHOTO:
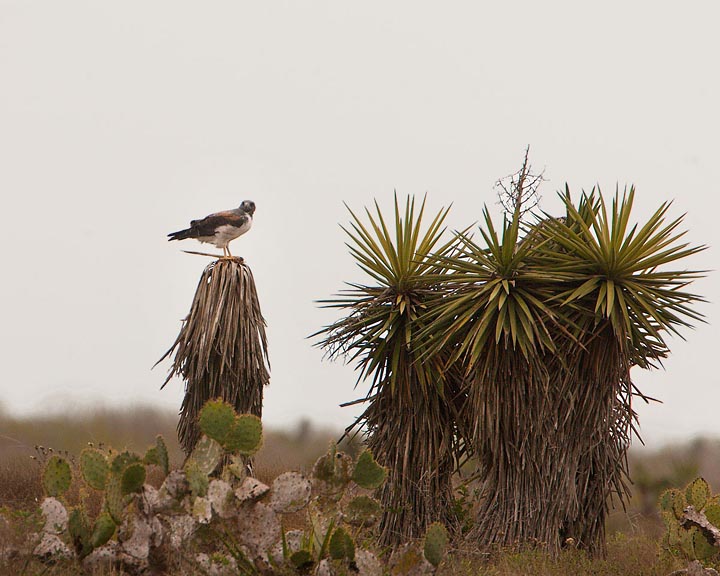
(220, 228)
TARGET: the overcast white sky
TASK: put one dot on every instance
(121, 121)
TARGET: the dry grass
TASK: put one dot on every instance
(638, 555)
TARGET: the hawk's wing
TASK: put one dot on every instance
(208, 225)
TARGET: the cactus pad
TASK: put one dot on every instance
(79, 531)
(216, 419)
(236, 467)
(697, 493)
(407, 559)
(206, 455)
(436, 539)
(56, 477)
(363, 511)
(114, 501)
(666, 500)
(702, 547)
(258, 528)
(122, 461)
(290, 492)
(202, 510)
(673, 535)
(162, 454)
(94, 468)
(712, 512)
(368, 473)
(686, 543)
(367, 563)
(331, 473)
(55, 515)
(251, 490)
(245, 435)
(133, 478)
(301, 559)
(341, 546)
(197, 478)
(102, 531)
(158, 455)
(679, 504)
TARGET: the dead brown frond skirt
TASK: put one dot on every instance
(221, 351)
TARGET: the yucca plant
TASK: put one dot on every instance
(411, 418)
(221, 351)
(492, 313)
(620, 301)
(548, 319)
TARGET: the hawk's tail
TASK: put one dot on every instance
(182, 234)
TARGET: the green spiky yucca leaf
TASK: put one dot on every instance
(614, 271)
(381, 320)
(494, 293)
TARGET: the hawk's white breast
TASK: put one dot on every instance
(227, 233)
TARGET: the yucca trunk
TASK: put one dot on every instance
(599, 428)
(221, 351)
(524, 492)
(415, 439)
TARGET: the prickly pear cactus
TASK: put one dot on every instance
(697, 493)
(408, 560)
(342, 546)
(122, 461)
(136, 518)
(216, 419)
(206, 455)
(57, 476)
(132, 478)
(114, 499)
(436, 540)
(158, 455)
(683, 511)
(245, 436)
(79, 531)
(197, 478)
(290, 493)
(362, 511)
(102, 531)
(235, 433)
(331, 473)
(94, 468)
(368, 473)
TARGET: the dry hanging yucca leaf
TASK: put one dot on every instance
(221, 351)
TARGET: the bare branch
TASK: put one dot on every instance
(519, 191)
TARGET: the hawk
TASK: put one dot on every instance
(220, 228)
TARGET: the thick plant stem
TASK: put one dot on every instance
(420, 461)
(221, 351)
